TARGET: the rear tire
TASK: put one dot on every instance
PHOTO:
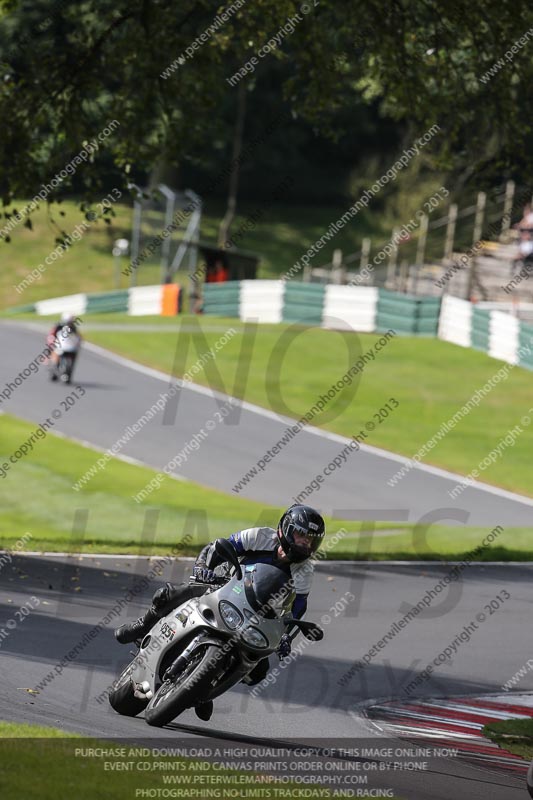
(174, 697)
(65, 367)
(122, 699)
(69, 368)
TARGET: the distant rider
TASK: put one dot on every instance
(299, 534)
(65, 326)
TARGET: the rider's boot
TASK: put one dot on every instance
(258, 674)
(132, 631)
(204, 711)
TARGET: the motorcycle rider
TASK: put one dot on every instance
(298, 536)
(65, 326)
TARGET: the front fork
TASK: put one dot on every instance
(241, 667)
(181, 661)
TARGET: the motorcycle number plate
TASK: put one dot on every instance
(167, 631)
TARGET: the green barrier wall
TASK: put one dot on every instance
(525, 339)
(107, 302)
(480, 329)
(428, 316)
(29, 309)
(304, 302)
(222, 299)
(407, 313)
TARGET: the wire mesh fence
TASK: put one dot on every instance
(469, 251)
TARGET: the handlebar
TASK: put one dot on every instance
(218, 582)
(310, 630)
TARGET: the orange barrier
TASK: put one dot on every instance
(170, 300)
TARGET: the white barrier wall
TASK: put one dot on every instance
(345, 308)
(143, 300)
(71, 304)
(262, 300)
(504, 336)
(350, 307)
(455, 321)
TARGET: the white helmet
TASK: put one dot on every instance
(67, 318)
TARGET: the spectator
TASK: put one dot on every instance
(216, 273)
(526, 223)
(525, 251)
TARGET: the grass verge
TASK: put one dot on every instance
(48, 764)
(286, 369)
(513, 735)
(39, 500)
(20, 730)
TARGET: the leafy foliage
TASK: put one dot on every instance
(68, 69)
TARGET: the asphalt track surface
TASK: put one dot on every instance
(306, 703)
(119, 392)
(307, 700)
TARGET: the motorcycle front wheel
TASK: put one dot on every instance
(122, 696)
(187, 689)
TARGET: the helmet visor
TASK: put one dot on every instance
(305, 542)
(302, 543)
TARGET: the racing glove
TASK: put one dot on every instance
(284, 647)
(204, 575)
(201, 571)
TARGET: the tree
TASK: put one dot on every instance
(163, 70)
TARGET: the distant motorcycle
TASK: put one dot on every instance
(66, 348)
(210, 643)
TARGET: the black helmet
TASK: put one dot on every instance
(300, 532)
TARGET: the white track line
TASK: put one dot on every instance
(328, 562)
(377, 451)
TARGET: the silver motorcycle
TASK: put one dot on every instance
(66, 348)
(210, 643)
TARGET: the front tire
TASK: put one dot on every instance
(122, 699)
(187, 689)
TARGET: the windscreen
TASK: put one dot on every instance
(269, 590)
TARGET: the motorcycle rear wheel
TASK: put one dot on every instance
(188, 689)
(65, 367)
